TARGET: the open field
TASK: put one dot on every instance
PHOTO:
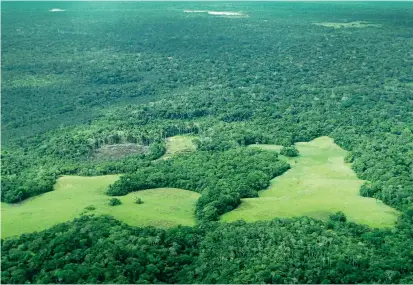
(179, 144)
(318, 183)
(163, 207)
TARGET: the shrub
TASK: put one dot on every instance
(114, 202)
(289, 151)
(138, 200)
(338, 217)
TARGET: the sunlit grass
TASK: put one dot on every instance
(318, 184)
(164, 207)
(179, 144)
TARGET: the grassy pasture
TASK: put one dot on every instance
(164, 207)
(179, 144)
(318, 183)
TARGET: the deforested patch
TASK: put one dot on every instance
(118, 151)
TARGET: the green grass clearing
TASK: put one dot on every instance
(163, 207)
(179, 144)
(355, 24)
(319, 183)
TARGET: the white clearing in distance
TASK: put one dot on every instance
(216, 13)
(195, 11)
(56, 10)
(224, 13)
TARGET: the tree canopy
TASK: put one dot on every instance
(102, 74)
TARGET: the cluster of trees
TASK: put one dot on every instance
(96, 250)
(31, 166)
(226, 92)
(223, 178)
(303, 251)
(99, 250)
(290, 151)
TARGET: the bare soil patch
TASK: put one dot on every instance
(118, 151)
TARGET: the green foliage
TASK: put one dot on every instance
(301, 251)
(289, 151)
(114, 202)
(338, 217)
(318, 183)
(99, 250)
(163, 208)
(100, 78)
(409, 213)
(102, 250)
(157, 150)
(138, 200)
(90, 208)
(221, 177)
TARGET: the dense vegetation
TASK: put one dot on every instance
(99, 250)
(103, 250)
(98, 75)
(223, 178)
(289, 151)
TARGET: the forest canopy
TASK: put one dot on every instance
(97, 75)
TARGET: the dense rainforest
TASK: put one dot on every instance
(302, 250)
(100, 74)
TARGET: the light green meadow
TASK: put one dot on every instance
(163, 207)
(319, 183)
(179, 144)
(31, 81)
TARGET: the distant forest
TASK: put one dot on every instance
(105, 73)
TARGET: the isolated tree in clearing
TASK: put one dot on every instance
(289, 151)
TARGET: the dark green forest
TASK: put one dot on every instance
(106, 73)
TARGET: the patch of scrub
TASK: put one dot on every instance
(118, 151)
(56, 10)
(75, 195)
(179, 144)
(355, 24)
(319, 183)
